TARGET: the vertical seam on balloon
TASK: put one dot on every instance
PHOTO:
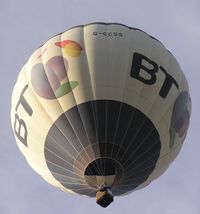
(95, 114)
(159, 119)
(132, 116)
(92, 90)
(61, 157)
(141, 91)
(178, 92)
(98, 169)
(170, 104)
(130, 59)
(144, 120)
(62, 53)
(106, 127)
(62, 149)
(122, 99)
(121, 103)
(56, 99)
(123, 88)
(133, 162)
(165, 155)
(166, 132)
(74, 103)
(159, 157)
(146, 137)
(57, 103)
(79, 114)
(40, 104)
(107, 65)
(147, 150)
(80, 178)
(152, 163)
(58, 130)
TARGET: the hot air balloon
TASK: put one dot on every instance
(101, 110)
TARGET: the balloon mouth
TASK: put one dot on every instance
(103, 172)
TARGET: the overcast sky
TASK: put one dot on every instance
(24, 26)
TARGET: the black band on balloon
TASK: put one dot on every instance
(102, 137)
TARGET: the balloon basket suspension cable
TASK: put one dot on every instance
(104, 196)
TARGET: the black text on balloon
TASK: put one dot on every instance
(19, 124)
(140, 62)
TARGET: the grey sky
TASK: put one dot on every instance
(24, 26)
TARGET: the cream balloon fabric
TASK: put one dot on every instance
(100, 104)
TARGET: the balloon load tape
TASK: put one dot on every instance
(104, 197)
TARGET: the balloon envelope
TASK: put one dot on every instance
(99, 105)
